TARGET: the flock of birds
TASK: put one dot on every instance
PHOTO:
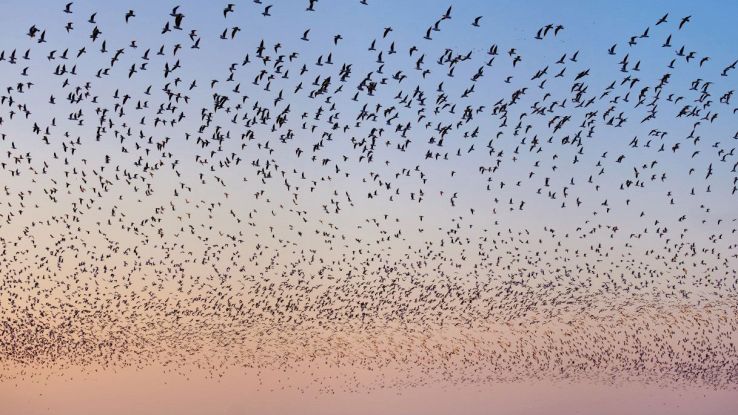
(380, 201)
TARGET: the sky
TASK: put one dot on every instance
(203, 219)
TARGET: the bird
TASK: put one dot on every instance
(728, 68)
(228, 9)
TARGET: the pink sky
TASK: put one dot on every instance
(149, 392)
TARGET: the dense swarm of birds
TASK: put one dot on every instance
(463, 214)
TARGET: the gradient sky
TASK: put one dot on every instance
(119, 256)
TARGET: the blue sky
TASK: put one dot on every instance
(590, 28)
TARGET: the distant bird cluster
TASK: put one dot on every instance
(204, 195)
